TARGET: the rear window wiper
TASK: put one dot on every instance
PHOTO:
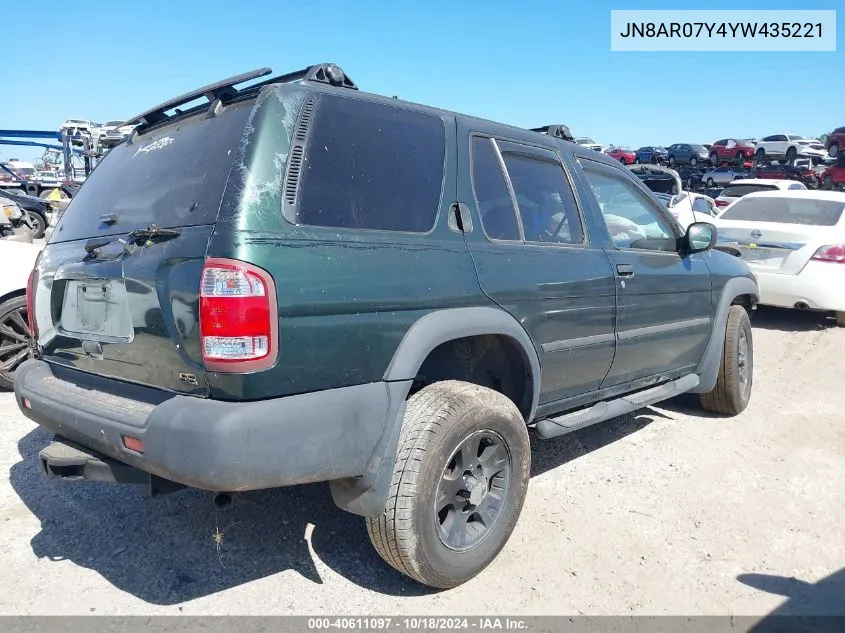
(137, 237)
(151, 233)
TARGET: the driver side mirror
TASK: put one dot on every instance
(700, 236)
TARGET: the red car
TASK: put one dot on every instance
(834, 176)
(623, 155)
(835, 142)
(730, 150)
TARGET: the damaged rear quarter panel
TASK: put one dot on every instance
(346, 297)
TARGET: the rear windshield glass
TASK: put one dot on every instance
(786, 211)
(737, 191)
(172, 177)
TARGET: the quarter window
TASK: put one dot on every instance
(371, 166)
(495, 206)
(631, 221)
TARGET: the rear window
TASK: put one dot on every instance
(171, 177)
(737, 191)
(371, 166)
(786, 211)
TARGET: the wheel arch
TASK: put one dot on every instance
(443, 326)
(737, 291)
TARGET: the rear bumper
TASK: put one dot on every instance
(819, 285)
(212, 444)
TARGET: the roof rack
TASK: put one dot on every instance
(224, 90)
(557, 130)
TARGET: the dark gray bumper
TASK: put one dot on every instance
(212, 444)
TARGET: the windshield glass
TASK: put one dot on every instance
(786, 211)
(737, 191)
(173, 176)
(584, 139)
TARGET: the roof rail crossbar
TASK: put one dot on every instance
(221, 91)
(557, 130)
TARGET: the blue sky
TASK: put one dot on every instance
(524, 63)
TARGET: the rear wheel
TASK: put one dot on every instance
(14, 339)
(458, 484)
(791, 153)
(736, 371)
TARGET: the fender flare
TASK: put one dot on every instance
(436, 328)
(708, 369)
(367, 494)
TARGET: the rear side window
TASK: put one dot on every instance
(786, 211)
(546, 204)
(172, 177)
(737, 191)
(371, 166)
(491, 193)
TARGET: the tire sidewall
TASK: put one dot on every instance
(450, 566)
(10, 305)
(740, 322)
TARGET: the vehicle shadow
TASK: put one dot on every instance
(786, 320)
(811, 606)
(165, 550)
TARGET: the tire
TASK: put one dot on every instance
(711, 183)
(828, 182)
(622, 160)
(693, 161)
(14, 339)
(441, 422)
(791, 153)
(714, 159)
(840, 319)
(637, 160)
(761, 155)
(833, 150)
(654, 160)
(736, 370)
(40, 224)
(671, 161)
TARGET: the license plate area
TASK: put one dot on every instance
(96, 309)
(768, 257)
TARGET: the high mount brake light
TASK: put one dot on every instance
(239, 327)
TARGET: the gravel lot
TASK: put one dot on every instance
(666, 511)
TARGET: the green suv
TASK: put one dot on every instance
(286, 280)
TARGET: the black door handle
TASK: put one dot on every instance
(625, 270)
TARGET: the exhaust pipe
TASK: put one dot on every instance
(802, 305)
(222, 500)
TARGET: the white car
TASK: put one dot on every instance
(790, 147)
(17, 259)
(75, 127)
(666, 184)
(794, 242)
(689, 207)
(588, 142)
(739, 188)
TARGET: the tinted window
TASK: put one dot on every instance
(631, 220)
(700, 206)
(546, 203)
(786, 211)
(371, 166)
(724, 141)
(737, 191)
(495, 206)
(173, 176)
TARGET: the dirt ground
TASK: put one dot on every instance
(667, 511)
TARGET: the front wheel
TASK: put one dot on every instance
(833, 152)
(791, 153)
(458, 485)
(736, 371)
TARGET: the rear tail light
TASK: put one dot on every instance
(722, 203)
(239, 325)
(30, 305)
(834, 253)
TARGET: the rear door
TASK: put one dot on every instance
(534, 257)
(124, 308)
(664, 303)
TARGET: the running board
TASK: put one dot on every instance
(604, 410)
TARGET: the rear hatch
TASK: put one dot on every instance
(116, 290)
(778, 234)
